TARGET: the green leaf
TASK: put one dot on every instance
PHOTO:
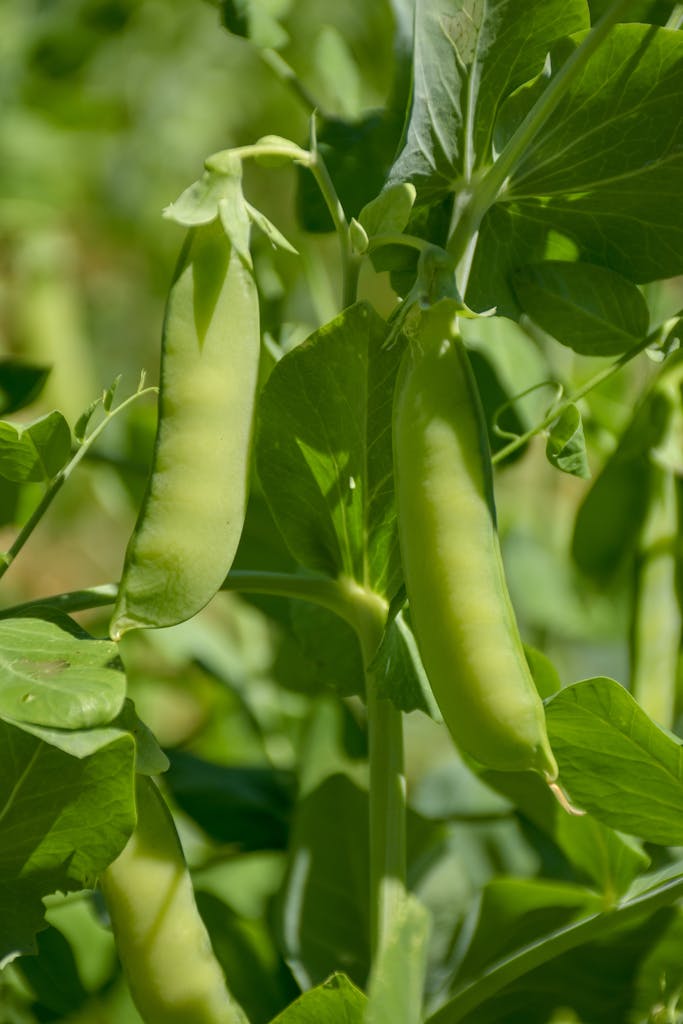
(36, 451)
(336, 1001)
(478, 994)
(398, 671)
(323, 450)
(605, 173)
(603, 856)
(62, 821)
(588, 308)
(20, 384)
(615, 762)
(51, 676)
(259, 979)
(467, 58)
(248, 807)
(330, 646)
(53, 975)
(389, 212)
(515, 911)
(566, 445)
(398, 975)
(323, 905)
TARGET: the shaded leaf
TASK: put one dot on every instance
(62, 821)
(247, 806)
(20, 384)
(323, 450)
(566, 445)
(390, 211)
(399, 673)
(588, 308)
(36, 451)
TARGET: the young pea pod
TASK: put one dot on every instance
(459, 603)
(192, 515)
(164, 948)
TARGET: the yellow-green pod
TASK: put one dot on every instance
(163, 945)
(192, 515)
(459, 602)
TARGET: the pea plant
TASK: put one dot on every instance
(330, 553)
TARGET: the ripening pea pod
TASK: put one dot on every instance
(193, 512)
(459, 602)
(163, 945)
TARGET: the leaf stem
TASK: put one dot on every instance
(286, 73)
(476, 199)
(675, 19)
(60, 479)
(557, 410)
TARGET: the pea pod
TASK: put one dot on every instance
(459, 603)
(164, 948)
(192, 515)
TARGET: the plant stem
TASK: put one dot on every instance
(387, 816)
(59, 480)
(286, 73)
(350, 262)
(558, 409)
(474, 201)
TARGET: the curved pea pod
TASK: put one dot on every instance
(193, 512)
(163, 945)
(459, 602)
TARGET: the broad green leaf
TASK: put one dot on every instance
(323, 450)
(588, 308)
(248, 807)
(467, 58)
(52, 676)
(330, 646)
(149, 757)
(514, 912)
(34, 452)
(545, 675)
(53, 975)
(20, 384)
(606, 858)
(390, 211)
(615, 762)
(477, 1002)
(605, 173)
(399, 673)
(62, 821)
(323, 907)
(336, 1001)
(396, 985)
(566, 445)
(259, 979)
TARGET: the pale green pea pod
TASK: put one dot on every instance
(163, 945)
(192, 516)
(459, 602)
